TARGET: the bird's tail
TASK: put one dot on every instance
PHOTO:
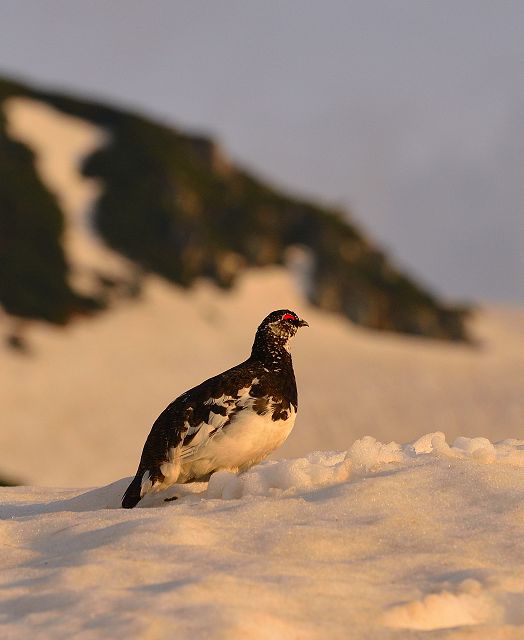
(132, 495)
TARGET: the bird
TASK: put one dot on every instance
(229, 422)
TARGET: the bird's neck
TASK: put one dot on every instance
(273, 352)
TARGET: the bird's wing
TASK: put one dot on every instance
(217, 415)
(194, 417)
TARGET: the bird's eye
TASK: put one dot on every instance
(288, 316)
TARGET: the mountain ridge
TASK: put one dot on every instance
(174, 205)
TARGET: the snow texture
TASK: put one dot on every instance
(379, 541)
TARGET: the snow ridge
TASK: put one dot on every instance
(366, 456)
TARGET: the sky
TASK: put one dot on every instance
(408, 113)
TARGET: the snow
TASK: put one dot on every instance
(380, 539)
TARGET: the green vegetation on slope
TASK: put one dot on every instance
(176, 207)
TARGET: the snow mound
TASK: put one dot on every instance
(468, 606)
(366, 455)
(509, 451)
(275, 478)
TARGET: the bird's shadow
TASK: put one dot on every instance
(107, 497)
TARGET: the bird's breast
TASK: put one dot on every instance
(253, 433)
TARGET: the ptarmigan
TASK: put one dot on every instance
(229, 422)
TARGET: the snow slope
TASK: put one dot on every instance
(380, 541)
(76, 412)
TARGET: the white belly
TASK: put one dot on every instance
(246, 441)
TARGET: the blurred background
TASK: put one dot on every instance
(170, 172)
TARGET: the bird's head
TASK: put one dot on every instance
(283, 323)
(277, 328)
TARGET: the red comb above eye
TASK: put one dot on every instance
(288, 316)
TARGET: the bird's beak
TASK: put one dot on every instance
(301, 323)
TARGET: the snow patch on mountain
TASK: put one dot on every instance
(60, 143)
